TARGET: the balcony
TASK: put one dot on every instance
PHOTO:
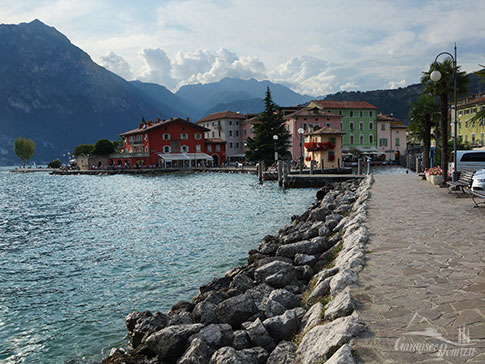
(129, 155)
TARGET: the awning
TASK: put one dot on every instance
(168, 157)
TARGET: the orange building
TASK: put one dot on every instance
(324, 146)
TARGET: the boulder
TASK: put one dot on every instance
(242, 283)
(322, 341)
(284, 326)
(146, 326)
(228, 355)
(305, 273)
(171, 342)
(217, 284)
(236, 310)
(285, 298)
(341, 280)
(303, 259)
(180, 318)
(309, 247)
(215, 335)
(284, 353)
(197, 353)
(204, 311)
(342, 356)
(259, 336)
(257, 353)
(259, 295)
(319, 214)
(324, 231)
(321, 289)
(133, 317)
(312, 317)
(240, 340)
(273, 308)
(277, 274)
(181, 306)
(342, 209)
(341, 305)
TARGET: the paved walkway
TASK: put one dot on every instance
(422, 292)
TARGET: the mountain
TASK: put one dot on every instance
(229, 90)
(248, 106)
(398, 101)
(55, 94)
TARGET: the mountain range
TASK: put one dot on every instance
(54, 93)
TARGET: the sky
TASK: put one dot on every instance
(313, 47)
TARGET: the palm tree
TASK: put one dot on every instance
(479, 118)
(444, 90)
(422, 111)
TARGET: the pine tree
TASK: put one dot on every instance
(267, 124)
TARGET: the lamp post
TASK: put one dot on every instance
(435, 76)
(275, 138)
(301, 131)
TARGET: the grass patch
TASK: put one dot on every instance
(332, 254)
(308, 292)
(299, 337)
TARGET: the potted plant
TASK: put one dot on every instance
(435, 175)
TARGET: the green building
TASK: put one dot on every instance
(359, 120)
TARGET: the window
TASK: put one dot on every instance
(212, 123)
(218, 148)
(237, 133)
(230, 145)
(370, 113)
(473, 157)
(328, 125)
(197, 148)
(132, 138)
(146, 149)
(351, 125)
(184, 149)
(351, 114)
(361, 139)
(244, 132)
(184, 136)
(371, 125)
(482, 138)
(474, 110)
(340, 112)
(230, 122)
(304, 127)
(251, 130)
(331, 156)
(209, 148)
(166, 149)
(361, 113)
(213, 134)
(383, 126)
(459, 113)
(166, 136)
(459, 125)
(237, 145)
(139, 138)
(198, 136)
(467, 111)
(146, 136)
(219, 122)
(473, 138)
(230, 133)
(466, 138)
(332, 140)
(351, 139)
(237, 122)
(361, 125)
(397, 142)
(383, 142)
(371, 139)
(341, 125)
(219, 133)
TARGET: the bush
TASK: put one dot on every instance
(56, 163)
(103, 147)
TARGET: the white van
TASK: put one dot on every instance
(468, 159)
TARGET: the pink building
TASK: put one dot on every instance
(391, 137)
(309, 120)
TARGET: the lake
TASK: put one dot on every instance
(78, 253)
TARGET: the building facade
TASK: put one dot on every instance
(467, 132)
(226, 126)
(358, 122)
(391, 137)
(324, 146)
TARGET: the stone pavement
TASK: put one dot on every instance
(422, 291)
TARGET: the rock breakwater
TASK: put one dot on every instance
(289, 303)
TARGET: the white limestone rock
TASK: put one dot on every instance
(342, 356)
(341, 305)
(312, 317)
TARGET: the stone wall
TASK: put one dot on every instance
(289, 303)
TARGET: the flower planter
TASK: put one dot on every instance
(436, 180)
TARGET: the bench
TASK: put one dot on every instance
(464, 182)
(478, 194)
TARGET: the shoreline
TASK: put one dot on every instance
(288, 302)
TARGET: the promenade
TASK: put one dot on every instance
(422, 291)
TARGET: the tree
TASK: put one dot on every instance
(83, 149)
(103, 147)
(422, 116)
(479, 118)
(267, 124)
(118, 144)
(24, 148)
(444, 89)
(56, 163)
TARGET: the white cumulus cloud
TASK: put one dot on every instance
(117, 64)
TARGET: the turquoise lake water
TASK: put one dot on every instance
(78, 253)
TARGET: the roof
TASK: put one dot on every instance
(154, 125)
(222, 115)
(344, 104)
(215, 140)
(476, 101)
(326, 130)
(311, 112)
(388, 118)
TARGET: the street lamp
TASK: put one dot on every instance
(435, 76)
(275, 138)
(301, 131)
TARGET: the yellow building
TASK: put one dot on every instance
(325, 145)
(475, 135)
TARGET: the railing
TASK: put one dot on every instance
(129, 155)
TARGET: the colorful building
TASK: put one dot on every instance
(170, 143)
(308, 120)
(391, 136)
(226, 126)
(358, 122)
(324, 146)
(467, 109)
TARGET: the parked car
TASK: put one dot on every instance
(468, 159)
(478, 183)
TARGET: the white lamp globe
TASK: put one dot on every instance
(300, 131)
(435, 76)
(275, 137)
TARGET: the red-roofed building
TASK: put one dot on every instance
(358, 122)
(170, 143)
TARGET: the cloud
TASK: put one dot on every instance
(393, 84)
(117, 64)
(158, 68)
